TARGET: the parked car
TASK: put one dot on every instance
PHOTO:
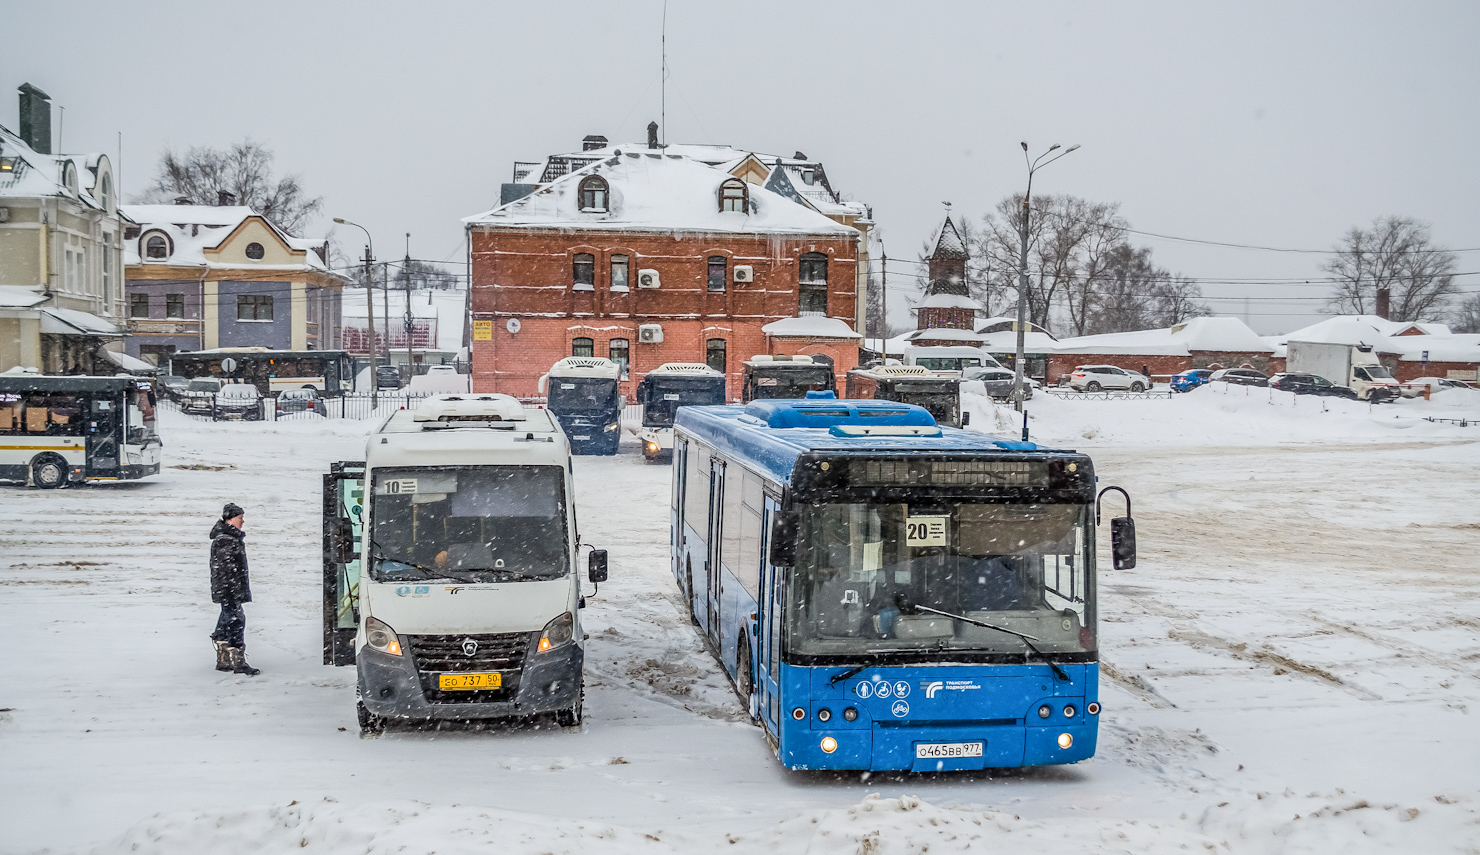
(1414, 388)
(199, 396)
(239, 401)
(1311, 384)
(300, 401)
(387, 377)
(999, 382)
(1190, 379)
(1096, 378)
(1241, 376)
(171, 386)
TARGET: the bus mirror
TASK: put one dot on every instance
(344, 542)
(1123, 543)
(596, 568)
(783, 540)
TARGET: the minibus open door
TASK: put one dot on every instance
(344, 515)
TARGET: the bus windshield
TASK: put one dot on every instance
(666, 395)
(790, 382)
(585, 395)
(1024, 567)
(468, 524)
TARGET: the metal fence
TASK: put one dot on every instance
(351, 405)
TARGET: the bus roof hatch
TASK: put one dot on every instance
(826, 412)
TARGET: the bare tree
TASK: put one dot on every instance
(1395, 255)
(1123, 300)
(1466, 317)
(1102, 231)
(1175, 299)
(244, 171)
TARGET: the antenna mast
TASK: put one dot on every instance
(663, 85)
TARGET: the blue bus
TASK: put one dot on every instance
(887, 594)
(583, 395)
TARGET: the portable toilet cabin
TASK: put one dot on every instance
(582, 395)
(665, 389)
(910, 384)
(785, 377)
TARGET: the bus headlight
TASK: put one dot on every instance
(611, 427)
(652, 448)
(381, 637)
(850, 714)
(829, 745)
(557, 632)
(1065, 740)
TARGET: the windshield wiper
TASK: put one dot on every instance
(838, 678)
(909, 608)
(427, 572)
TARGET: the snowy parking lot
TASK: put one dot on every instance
(1294, 666)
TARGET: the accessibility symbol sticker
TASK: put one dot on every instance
(900, 709)
(901, 689)
(864, 689)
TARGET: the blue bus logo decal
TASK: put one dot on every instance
(934, 687)
(900, 709)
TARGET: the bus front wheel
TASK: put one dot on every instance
(48, 471)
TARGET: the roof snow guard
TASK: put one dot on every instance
(470, 408)
(825, 413)
(782, 361)
(586, 366)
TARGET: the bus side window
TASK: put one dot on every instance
(696, 490)
(10, 417)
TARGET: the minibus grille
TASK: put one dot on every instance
(443, 654)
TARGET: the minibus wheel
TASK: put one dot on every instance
(370, 723)
(572, 717)
(48, 471)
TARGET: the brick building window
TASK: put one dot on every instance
(733, 195)
(593, 194)
(253, 307)
(719, 268)
(174, 305)
(582, 347)
(812, 285)
(138, 305)
(618, 350)
(714, 354)
(619, 273)
(583, 272)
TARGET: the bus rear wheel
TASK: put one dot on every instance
(48, 471)
(688, 592)
(744, 681)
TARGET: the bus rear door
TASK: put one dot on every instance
(101, 427)
(344, 509)
(713, 577)
(768, 630)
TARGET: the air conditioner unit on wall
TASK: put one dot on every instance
(744, 273)
(647, 278)
(650, 333)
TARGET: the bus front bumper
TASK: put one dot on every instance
(882, 749)
(390, 687)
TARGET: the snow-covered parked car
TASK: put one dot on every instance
(199, 396)
(1097, 378)
(239, 401)
(998, 382)
(1415, 388)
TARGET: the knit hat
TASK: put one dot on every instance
(232, 509)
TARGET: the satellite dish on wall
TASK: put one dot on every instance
(513, 325)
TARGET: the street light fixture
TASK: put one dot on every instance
(1022, 307)
(369, 310)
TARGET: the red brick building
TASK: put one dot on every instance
(647, 257)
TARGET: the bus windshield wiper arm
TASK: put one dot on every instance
(427, 572)
(907, 607)
(838, 678)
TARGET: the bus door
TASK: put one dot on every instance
(101, 427)
(713, 577)
(344, 510)
(768, 628)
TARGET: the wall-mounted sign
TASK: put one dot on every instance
(482, 330)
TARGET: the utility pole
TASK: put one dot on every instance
(385, 300)
(370, 327)
(884, 302)
(1022, 307)
(406, 275)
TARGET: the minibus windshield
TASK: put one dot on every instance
(468, 524)
(1024, 567)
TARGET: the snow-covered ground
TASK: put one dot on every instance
(1294, 666)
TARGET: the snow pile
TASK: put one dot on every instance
(1223, 414)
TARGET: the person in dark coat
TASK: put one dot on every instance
(230, 587)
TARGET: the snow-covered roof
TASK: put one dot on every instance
(811, 326)
(653, 191)
(1388, 337)
(59, 321)
(950, 301)
(193, 229)
(1348, 329)
(1220, 335)
(1001, 323)
(34, 174)
(1006, 340)
(947, 242)
(19, 297)
(943, 334)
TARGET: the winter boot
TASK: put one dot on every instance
(239, 662)
(223, 656)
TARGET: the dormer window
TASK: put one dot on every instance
(156, 248)
(594, 194)
(734, 195)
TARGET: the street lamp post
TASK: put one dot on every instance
(369, 309)
(1022, 307)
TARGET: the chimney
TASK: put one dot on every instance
(184, 200)
(35, 118)
(593, 142)
(652, 134)
(225, 199)
(1384, 299)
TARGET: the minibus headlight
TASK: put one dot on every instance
(557, 632)
(381, 637)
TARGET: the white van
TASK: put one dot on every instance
(469, 607)
(959, 360)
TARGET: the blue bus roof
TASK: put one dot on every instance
(771, 434)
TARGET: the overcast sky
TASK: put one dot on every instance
(1274, 124)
